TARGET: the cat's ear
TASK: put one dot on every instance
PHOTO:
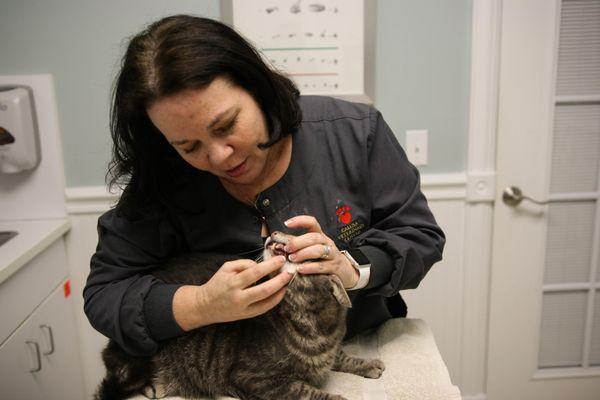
(337, 288)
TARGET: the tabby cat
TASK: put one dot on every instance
(285, 353)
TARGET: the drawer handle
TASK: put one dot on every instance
(47, 329)
(38, 358)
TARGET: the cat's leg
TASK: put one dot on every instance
(368, 368)
(266, 389)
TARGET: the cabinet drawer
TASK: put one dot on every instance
(40, 360)
(29, 286)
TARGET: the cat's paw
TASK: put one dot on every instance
(374, 369)
(154, 392)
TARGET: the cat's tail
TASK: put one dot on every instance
(125, 375)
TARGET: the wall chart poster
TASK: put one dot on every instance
(319, 44)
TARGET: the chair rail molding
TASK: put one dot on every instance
(97, 199)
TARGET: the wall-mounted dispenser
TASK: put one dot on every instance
(19, 141)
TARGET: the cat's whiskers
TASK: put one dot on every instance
(252, 251)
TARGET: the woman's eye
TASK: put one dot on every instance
(224, 130)
(191, 149)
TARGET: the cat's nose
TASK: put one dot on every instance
(280, 237)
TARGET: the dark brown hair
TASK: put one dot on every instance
(174, 54)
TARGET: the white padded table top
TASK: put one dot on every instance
(414, 367)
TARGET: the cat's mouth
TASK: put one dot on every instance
(274, 246)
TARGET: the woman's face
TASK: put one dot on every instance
(215, 129)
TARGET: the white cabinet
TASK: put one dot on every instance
(40, 357)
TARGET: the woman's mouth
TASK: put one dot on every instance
(238, 170)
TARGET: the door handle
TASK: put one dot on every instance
(38, 358)
(49, 338)
(513, 196)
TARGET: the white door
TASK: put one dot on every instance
(544, 340)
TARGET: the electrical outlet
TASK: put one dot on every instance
(416, 146)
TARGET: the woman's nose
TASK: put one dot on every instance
(218, 153)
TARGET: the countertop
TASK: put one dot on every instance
(34, 236)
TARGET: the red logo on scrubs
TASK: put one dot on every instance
(343, 214)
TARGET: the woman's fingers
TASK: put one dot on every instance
(237, 265)
(308, 239)
(230, 296)
(262, 306)
(314, 252)
(249, 276)
(264, 291)
(307, 222)
(312, 245)
(316, 268)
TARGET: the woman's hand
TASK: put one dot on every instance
(318, 252)
(231, 294)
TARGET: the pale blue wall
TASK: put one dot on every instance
(80, 42)
(422, 78)
(422, 68)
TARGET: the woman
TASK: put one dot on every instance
(215, 151)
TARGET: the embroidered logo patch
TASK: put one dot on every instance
(351, 229)
(343, 214)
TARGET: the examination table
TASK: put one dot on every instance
(414, 368)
